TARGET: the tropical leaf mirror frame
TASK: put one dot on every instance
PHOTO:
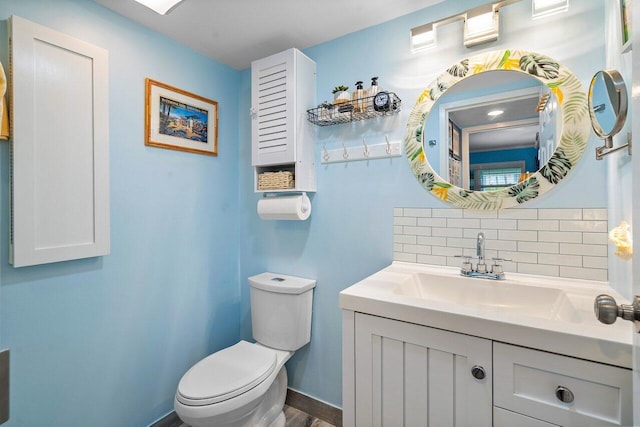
(574, 137)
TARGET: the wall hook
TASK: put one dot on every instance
(366, 149)
(386, 138)
(325, 154)
(345, 153)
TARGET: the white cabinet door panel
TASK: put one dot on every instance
(60, 146)
(413, 375)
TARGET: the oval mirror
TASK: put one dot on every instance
(447, 138)
(607, 105)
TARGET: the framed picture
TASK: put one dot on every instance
(180, 120)
(625, 24)
(450, 136)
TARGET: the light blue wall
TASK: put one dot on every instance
(104, 341)
(107, 339)
(349, 235)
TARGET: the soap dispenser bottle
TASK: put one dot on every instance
(356, 98)
(372, 92)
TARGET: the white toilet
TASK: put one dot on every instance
(246, 384)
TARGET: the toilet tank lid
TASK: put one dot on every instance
(281, 283)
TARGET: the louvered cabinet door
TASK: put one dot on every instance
(273, 118)
(411, 375)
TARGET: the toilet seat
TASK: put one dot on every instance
(226, 374)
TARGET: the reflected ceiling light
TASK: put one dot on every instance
(423, 37)
(495, 113)
(481, 25)
(160, 6)
(542, 8)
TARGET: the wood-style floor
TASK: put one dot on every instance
(297, 418)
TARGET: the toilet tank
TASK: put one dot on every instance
(281, 310)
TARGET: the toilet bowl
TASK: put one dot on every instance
(246, 384)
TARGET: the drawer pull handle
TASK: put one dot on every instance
(478, 372)
(564, 394)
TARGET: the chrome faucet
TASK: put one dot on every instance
(481, 271)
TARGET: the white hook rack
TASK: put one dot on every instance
(383, 150)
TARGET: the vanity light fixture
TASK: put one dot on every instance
(542, 8)
(481, 25)
(423, 37)
(160, 6)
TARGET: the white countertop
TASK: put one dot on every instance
(578, 334)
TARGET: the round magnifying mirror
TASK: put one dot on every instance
(607, 104)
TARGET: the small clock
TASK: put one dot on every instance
(382, 101)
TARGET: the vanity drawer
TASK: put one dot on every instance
(532, 382)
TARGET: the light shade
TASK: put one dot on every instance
(541, 8)
(160, 6)
(423, 37)
(481, 25)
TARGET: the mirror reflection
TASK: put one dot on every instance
(492, 130)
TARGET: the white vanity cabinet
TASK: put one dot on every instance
(283, 88)
(413, 375)
(399, 373)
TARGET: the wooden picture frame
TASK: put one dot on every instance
(180, 120)
(625, 24)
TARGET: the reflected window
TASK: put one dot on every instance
(494, 178)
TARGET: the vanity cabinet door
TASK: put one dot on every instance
(412, 375)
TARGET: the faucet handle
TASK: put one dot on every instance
(496, 268)
(466, 263)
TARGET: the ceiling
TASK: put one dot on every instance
(235, 32)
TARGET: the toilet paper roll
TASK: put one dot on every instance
(287, 207)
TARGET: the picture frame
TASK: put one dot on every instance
(625, 24)
(450, 136)
(180, 120)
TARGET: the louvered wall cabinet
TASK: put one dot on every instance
(283, 88)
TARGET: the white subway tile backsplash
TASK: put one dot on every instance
(419, 213)
(594, 214)
(556, 259)
(447, 213)
(518, 214)
(540, 247)
(418, 231)
(541, 269)
(431, 259)
(432, 241)
(463, 223)
(432, 222)
(560, 236)
(401, 238)
(584, 226)
(553, 242)
(446, 232)
(583, 273)
(595, 238)
(499, 224)
(537, 224)
(560, 214)
(590, 250)
(528, 236)
(405, 220)
(405, 257)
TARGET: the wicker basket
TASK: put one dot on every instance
(276, 180)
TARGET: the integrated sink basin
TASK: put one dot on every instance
(548, 313)
(504, 295)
